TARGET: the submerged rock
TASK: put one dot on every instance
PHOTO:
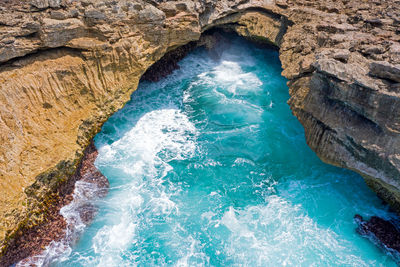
(383, 233)
(32, 241)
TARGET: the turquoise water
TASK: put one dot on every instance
(208, 167)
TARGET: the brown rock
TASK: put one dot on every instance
(382, 232)
(55, 33)
(32, 241)
(342, 55)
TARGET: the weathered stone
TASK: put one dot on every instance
(94, 15)
(54, 3)
(85, 43)
(40, 3)
(342, 55)
(55, 33)
(385, 70)
(58, 15)
(281, 3)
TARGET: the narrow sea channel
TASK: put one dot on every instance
(208, 167)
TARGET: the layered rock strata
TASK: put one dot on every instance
(67, 65)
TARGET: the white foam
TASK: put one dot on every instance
(229, 77)
(142, 156)
(158, 130)
(194, 255)
(84, 193)
(243, 161)
(157, 138)
(275, 233)
(280, 235)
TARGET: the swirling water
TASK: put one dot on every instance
(208, 167)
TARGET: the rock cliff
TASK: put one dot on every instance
(67, 65)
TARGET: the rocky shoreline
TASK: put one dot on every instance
(33, 241)
(383, 233)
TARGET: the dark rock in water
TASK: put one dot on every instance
(169, 62)
(34, 241)
(383, 233)
(87, 212)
